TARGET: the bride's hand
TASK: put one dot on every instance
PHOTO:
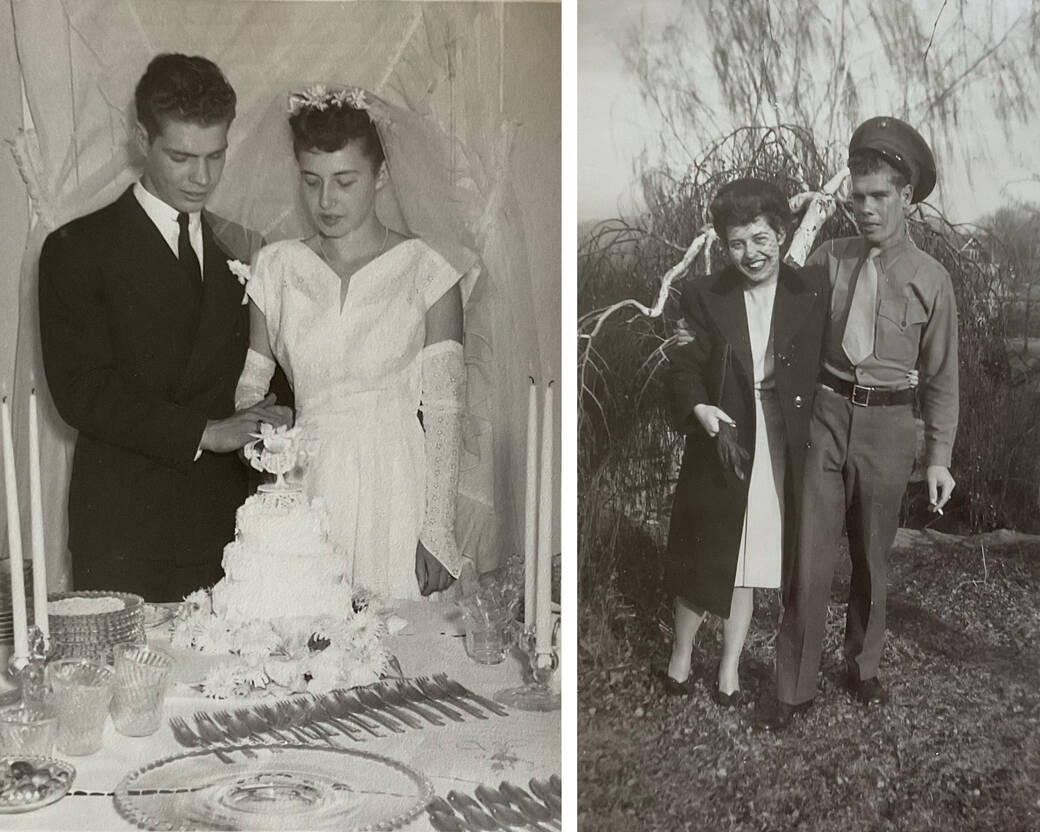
(430, 572)
(709, 416)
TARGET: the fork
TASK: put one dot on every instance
(293, 712)
(232, 727)
(189, 739)
(257, 726)
(275, 720)
(354, 703)
(414, 692)
(455, 688)
(211, 731)
(337, 710)
(313, 712)
(432, 688)
(394, 696)
(373, 700)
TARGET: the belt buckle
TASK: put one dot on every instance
(861, 395)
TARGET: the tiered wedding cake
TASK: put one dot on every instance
(281, 563)
(285, 610)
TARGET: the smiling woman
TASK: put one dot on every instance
(736, 403)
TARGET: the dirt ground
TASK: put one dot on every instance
(957, 747)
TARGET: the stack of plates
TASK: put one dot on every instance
(6, 615)
(93, 635)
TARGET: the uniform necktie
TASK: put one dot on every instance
(189, 260)
(858, 340)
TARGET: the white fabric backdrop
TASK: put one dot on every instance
(488, 73)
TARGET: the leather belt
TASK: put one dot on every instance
(866, 396)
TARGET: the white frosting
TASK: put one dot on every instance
(281, 563)
(267, 525)
(272, 596)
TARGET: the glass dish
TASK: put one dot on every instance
(93, 636)
(155, 615)
(28, 729)
(59, 779)
(284, 787)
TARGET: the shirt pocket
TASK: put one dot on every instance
(899, 325)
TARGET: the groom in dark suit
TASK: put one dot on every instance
(144, 335)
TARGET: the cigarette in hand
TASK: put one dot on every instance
(938, 510)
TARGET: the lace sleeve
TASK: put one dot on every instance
(254, 381)
(443, 391)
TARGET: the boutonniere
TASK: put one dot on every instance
(241, 272)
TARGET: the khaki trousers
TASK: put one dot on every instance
(856, 471)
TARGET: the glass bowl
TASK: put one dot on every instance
(28, 729)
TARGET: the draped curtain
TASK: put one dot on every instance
(79, 61)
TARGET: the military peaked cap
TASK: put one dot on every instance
(902, 147)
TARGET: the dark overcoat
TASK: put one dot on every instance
(709, 503)
(138, 367)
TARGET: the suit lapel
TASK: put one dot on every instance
(156, 270)
(793, 302)
(726, 302)
(221, 303)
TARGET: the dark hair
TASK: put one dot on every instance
(333, 129)
(866, 161)
(183, 88)
(742, 201)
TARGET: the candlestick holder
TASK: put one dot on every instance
(536, 694)
(27, 673)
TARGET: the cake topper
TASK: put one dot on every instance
(276, 451)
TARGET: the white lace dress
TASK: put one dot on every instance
(355, 369)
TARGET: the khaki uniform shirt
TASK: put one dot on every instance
(916, 326)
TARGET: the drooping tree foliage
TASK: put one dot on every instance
(774, 89)
(628, 453)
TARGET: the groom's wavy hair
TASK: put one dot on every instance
(333, 128)
(178, 87)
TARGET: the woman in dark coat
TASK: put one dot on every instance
(750, 370)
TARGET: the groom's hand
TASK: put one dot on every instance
(222, 436)
(430, 572)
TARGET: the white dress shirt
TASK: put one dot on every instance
(164, 217)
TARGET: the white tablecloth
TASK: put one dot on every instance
(456, 756)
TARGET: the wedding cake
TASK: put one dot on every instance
(281, 563)
(285, 611)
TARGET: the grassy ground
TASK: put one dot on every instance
(957, 748)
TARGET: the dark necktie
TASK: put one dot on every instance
(189, 260)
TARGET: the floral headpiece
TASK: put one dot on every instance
(319, 97)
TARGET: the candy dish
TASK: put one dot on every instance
(28, 783)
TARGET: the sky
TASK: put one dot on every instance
(615, 128)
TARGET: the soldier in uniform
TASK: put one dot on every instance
(892, 311)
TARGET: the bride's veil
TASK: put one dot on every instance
(428, 196)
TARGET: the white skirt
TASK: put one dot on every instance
(762, 538)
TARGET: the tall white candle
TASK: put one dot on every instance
(14, 539)
(39, 554)
(543, 592)
(531, 505)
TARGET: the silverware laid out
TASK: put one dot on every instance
(507, 807)
(396, 705)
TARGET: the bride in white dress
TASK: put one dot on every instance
(367, 324)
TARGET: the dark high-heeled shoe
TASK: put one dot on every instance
(726, 700)
(673, 687)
